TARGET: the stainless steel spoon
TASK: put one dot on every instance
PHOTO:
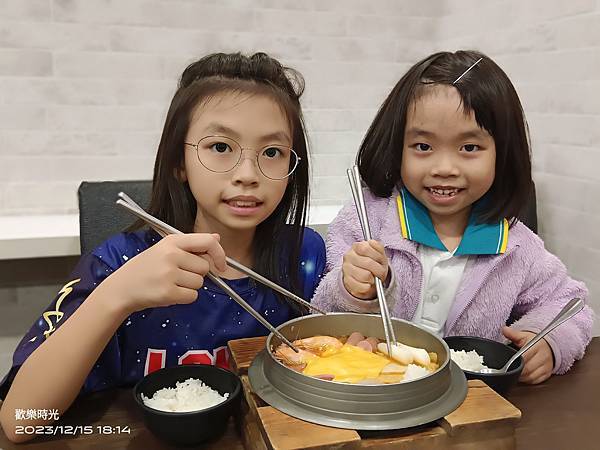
(570, 309)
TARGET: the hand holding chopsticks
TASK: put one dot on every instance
(359, 202)
(165, 229)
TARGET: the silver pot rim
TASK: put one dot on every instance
(269, 347)
(358, 406)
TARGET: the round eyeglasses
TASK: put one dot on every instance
(221, 154)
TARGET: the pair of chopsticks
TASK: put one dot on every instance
(164, 229)
(359, 202)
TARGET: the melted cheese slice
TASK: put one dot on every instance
(348, 365)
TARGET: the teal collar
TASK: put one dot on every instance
(478, 238)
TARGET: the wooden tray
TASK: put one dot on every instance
(485, 420)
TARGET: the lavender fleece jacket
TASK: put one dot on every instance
(525, 287)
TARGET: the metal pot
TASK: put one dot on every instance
(362, 407)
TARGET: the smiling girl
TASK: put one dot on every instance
(447, 166)
(231, 173)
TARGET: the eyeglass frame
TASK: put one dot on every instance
(197, 146)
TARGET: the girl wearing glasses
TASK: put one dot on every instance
(232, 173)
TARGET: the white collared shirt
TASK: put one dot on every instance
(442, 274)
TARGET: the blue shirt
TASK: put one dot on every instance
(195, 333)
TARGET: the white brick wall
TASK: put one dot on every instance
(83, 79)
(84, 86)
(551, 51)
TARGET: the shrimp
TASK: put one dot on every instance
(289, 357)
(309, 348)
(319, 345)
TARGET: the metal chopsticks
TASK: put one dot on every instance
(126, 202)
(168, 229)
(359, 202)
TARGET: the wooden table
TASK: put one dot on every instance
(561, 413)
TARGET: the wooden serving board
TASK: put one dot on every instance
(485, 420)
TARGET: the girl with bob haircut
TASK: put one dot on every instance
(231, 172)
(446, 163)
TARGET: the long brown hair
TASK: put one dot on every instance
(278, 239)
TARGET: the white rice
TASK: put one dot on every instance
(189, 395)
(413, 372)
(470, 360)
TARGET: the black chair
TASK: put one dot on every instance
(99, 216)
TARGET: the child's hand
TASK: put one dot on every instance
(362, 263)
(169, 272)
(539, 360)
